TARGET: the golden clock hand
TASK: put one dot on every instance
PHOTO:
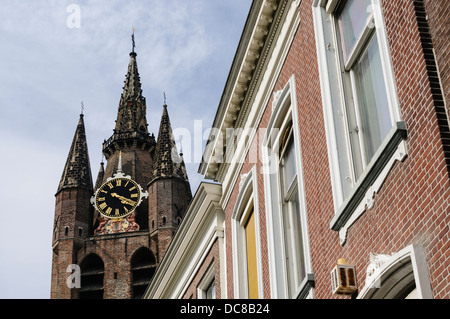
(128, 201)
(123, 199)
(118, 196)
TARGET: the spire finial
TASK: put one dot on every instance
(165, 102)
(119, 165)
(82, 107)
(132, 40)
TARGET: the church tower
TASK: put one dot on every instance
(168, 187)
(73, 212)
(110, 236)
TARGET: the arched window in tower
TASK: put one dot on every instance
(143, 265)
(92, 273)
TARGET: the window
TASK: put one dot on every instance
(290, 266)
(92, 273)
(290, 208)
(206, 288)
(250, 240)
(368, 115)
(211, 290)
(246, 240)
(365, 134)
(402, 275)
(143, 265)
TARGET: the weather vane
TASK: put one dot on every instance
(132, 39)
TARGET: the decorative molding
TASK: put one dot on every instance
(377, 261)
(368, 201)
(243, 181)
(262, 28)
(260, 102)
(385, 274)
(201, 226)
(362, 198)
(276, 97)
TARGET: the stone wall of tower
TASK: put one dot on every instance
(62, 257)
(116, 251)
(168, 200)
(73, 220)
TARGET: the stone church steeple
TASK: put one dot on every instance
(131, 115)
(77, 171)
(73, 213)
(119, 261)
(131, 137)
(168, 180)
(167, 161)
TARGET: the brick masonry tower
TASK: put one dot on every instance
(73, 212)
(169, 188)
(115, 258)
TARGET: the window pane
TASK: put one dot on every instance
(250, 236)
(372, 98)
(211, 291)
(351, 21)
(294, 245)
(289, 168)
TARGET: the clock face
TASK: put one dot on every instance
(118, 197)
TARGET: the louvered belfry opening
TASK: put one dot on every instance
(92, 273)
(143, 265)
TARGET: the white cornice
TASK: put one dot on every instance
(202, 224)
(226, 172)
(243, 73)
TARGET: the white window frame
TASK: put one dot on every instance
(205, 283)
(284, 110)
(248, 190)
(353, 198)
(387, 277)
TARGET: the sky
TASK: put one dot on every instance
(55, 55)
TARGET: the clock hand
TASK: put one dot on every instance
(128, 201)
(123, 199)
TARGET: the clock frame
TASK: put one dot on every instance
(119, 196)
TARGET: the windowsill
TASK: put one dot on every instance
(305, 287)
(392, 149)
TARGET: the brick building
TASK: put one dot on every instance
(331, 149)
(95, 256)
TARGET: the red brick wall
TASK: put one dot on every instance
(169, 199)
(412, 207)
(116, 252)
(72, 210)
(211, 257)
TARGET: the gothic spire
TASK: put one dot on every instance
(100, 175)
(131, 126)
(167, 161)
(77, 171)
(132, 89)
(132, 107)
